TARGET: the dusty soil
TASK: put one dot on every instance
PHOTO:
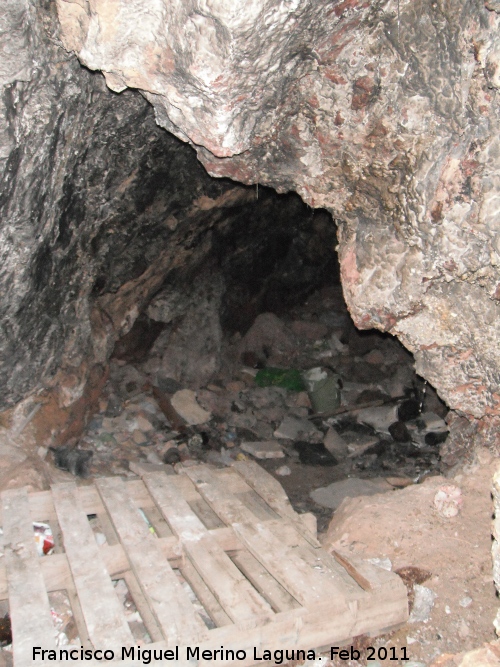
(405, 527)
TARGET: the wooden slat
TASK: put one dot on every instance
(204, 595)
(160, 586)
(257, 506)
(57, 574)
(267, 585)
(238, 598)
(303, 582)
(101, 608)
(273, 493)
(142, 607)
(78, 617)
(28, 601)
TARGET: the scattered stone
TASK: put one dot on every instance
(378, 449)
(309, 330)
(108, 424)
(270, 338)
(171, 455)
(283, 471)
(300, 400)
(375, 357)
(263, 397)
(371, 395)
(152, 457)
(336, 345)
(465, 602)
(433, 422)
(275, 414)
(448, 500)
(184, 402)
(253, 360)
(144, 424)
(314, 453)
(291, 429)
(331, 496)
(234, 387)
(216, 403)
(380, 418)
(168, 385)
(263, 430)
(399, 432)
(75, 461)
(335, 444)
(263, 450)
(139, 438)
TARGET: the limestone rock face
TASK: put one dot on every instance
(97, 206)
(100, 209)
(385, 112)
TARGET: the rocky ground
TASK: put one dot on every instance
(369, 457)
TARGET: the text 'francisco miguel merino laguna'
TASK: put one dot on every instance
(194, 653)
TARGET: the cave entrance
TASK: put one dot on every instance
(249, 351)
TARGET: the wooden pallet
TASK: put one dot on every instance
(253, 563)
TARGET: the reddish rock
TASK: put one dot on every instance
(309, 330)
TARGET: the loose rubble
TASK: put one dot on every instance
(380, 433)
(312, 398)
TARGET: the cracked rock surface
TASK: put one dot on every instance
(383, 112)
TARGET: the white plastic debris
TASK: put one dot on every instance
(283, 471)
(44, 539)
(423, 604)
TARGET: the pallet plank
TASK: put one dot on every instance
(304, 583)
(233, 530)
(160, 586)
(31, 624)
(273, 493)
(101, 608)
(205, 595)
(238, 598)
(278, 597)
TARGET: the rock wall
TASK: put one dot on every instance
(385, 112)
(98, 207)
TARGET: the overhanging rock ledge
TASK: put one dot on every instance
(384, 112)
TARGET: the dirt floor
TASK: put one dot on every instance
(452, 554)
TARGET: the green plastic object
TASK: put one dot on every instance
(286, 378)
